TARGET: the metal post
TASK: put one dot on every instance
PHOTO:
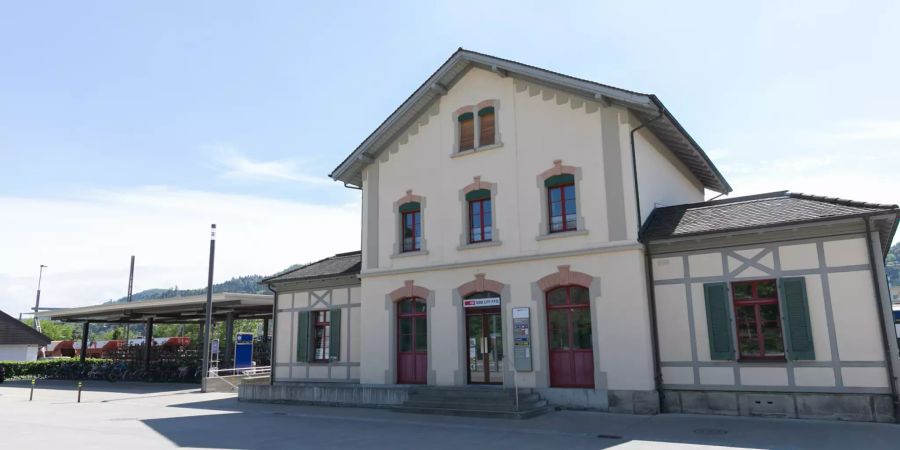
(79, 391)
(84, 340)
(31, 395)
(265, 334)
(208, 325)
(148, 341)
(37, 300)
(229, 340)
(130, 283)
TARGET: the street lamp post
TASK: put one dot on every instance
(209, 285)
(37, 301)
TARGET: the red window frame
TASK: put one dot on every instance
(564, 213)
(416, 231)
(481, 235)
(755, 301)
(321, 342)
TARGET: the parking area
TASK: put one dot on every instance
(139, 415)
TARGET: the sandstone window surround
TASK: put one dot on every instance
(406, 207)
(478, 191)
(545, 182)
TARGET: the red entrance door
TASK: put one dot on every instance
(569, 329)
(412, 342)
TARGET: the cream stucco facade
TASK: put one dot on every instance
(538, 128)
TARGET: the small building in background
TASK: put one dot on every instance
(19, 342)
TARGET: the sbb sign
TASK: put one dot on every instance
(481, 302)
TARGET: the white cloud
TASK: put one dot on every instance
(866, 130)
(238, 166)
(87, 241)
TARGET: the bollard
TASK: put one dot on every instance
(31, 395)
(79, 392)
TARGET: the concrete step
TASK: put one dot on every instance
(506, 399)
(468, 404)
(523, 414)
(487, 394)
(474, 401)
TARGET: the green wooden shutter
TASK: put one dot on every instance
(557, 180)
(480, 194)
(303, 330)
(410, 207)
(334, 341)
(718, 321)
(798, 330)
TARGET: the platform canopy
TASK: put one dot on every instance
(168, 310)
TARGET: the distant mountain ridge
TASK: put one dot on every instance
(248, 284)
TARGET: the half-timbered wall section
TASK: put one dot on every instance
(828, 328)
(295, 352)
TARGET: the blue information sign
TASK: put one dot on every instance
(243, 351)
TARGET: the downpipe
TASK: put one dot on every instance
(889, 357)
(648, 269)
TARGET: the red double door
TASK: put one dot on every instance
(412, 342)
(570, 337)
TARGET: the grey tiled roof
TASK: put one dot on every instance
(13, 332)
(338, 265)
(775, 208)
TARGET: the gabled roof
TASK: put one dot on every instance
(340, 265)
(14, 332)
(645, 106)
(759, 211)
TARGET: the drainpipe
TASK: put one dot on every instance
(274, 334)
(889, 356)
(651, 295)
(637, 195)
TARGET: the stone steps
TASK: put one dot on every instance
(474, 402)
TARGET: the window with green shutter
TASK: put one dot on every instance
(796, 318)
(303, 330)
(718, 321)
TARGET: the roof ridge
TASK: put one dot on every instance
(842, 201)
(266, 280)
(727, 201)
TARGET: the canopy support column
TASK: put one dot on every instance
(229, 340)
(85, 329)
(148, 341)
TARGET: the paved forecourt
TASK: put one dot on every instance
(140, 415)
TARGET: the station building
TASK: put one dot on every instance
(523, 228)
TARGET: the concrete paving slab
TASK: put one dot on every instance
(140, 415)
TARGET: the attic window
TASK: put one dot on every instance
(476, 126)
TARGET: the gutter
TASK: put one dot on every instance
(890, 358)
(648, 269)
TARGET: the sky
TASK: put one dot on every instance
(126, 128)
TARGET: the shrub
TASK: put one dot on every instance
(57, 368)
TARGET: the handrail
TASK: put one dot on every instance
(255, 370)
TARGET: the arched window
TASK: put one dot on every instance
(480, 221)
(570, 337)
(411, 227)
(561, 203)
(486, 135)
(466, 131)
